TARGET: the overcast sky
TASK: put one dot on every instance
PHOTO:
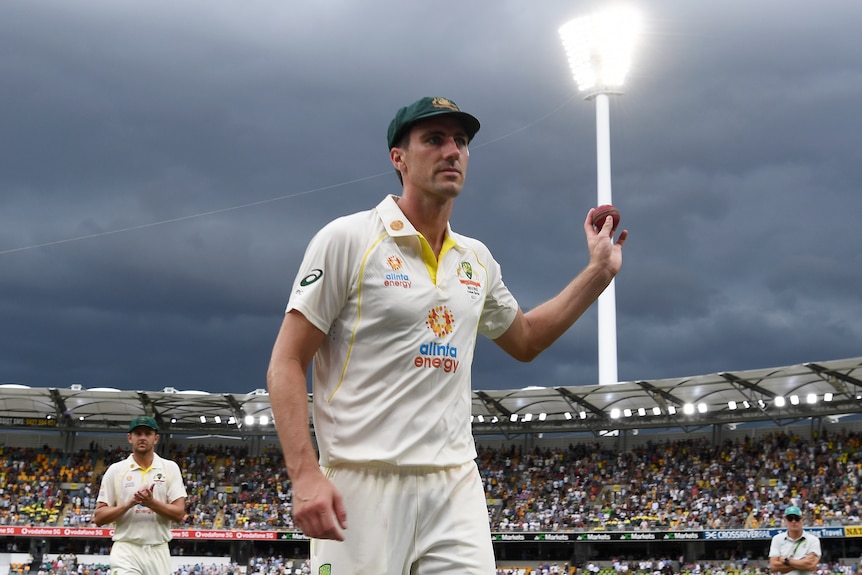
(163, 165)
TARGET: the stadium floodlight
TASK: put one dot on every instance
(615, 413)
(203, 419)
(513, 418)
(627, 412)
(731, 405)
(688, 409)
(582, 415)
(671, 410)
(527, 417)
(794, 399)
(641, 411)
(702, 407)
(264, 420)
(599, 48)
(217, 419)
(811, 398)
(780, 401)
(656, 410)
(543, 416)
(827, 396)
(249, 420)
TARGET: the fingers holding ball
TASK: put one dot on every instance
(601, 213)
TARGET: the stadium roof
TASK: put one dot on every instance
(781, 395)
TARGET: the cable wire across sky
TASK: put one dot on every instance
(261, 202)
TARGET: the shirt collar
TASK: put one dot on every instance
(157, 462)
(397, 224)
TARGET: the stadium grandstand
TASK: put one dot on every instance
(687, 475)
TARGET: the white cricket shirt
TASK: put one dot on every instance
(783, 546)
(141, 524)
(391, 382)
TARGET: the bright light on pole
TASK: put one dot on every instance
(599, 48)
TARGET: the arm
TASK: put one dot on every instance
(776, 565)
(110, 513)
(807, 563)
(534, 331)
(316, 502)
(174, 511)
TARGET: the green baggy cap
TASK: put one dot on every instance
(428, 107)
(143, 421)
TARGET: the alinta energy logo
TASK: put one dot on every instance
(435, 355)
(395, 263)
(440, 320)
(395, 278)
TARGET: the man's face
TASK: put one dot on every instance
(794, 523)
(143, 439)
(435, 160)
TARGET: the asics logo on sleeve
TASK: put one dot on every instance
(315, 275)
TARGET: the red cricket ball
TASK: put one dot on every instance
(602, 212)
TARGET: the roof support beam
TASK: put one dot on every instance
(580, 401)
(491, 402)
(747, 384)
(833, 377)
(238, 411)
(60, 409)
(656, 392)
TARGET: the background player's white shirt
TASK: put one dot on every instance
(783, 546)
(392, 379)
(141, 524)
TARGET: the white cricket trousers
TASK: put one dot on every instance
(133, 559)
(408, 521)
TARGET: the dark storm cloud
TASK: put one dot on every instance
(175, 158)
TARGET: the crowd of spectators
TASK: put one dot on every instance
(68, 564)
(676, 485)
(684, 484)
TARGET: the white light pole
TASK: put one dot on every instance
(599, 48)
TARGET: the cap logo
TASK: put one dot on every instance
(444, 104)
